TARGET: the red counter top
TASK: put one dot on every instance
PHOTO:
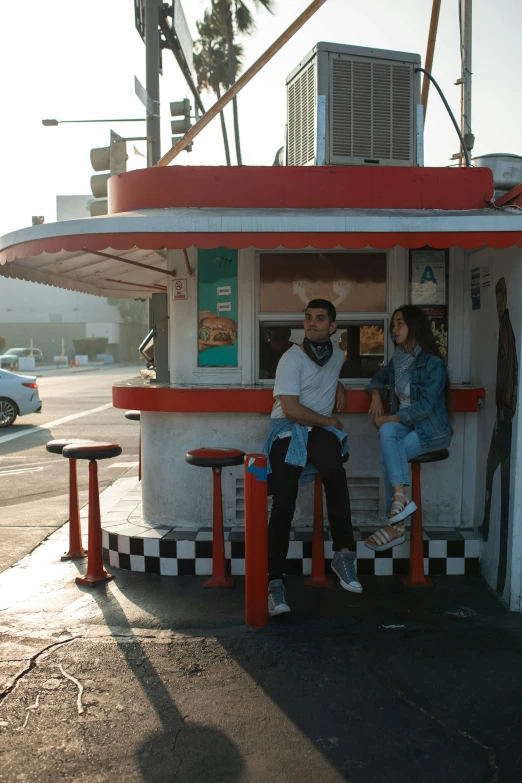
(144, 396)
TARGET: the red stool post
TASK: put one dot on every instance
(76, 549)
(219, 576)
(256, 541)
(416, 577)
(318, 577)
(217, 457)
(75, 532)
(96, 573)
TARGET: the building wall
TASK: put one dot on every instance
(492, 265)
(178, 493)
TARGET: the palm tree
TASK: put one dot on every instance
(235, 16)
(211, 64)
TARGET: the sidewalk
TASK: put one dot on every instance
(393, 685)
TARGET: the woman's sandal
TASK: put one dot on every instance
(386, 537)
(394, 532)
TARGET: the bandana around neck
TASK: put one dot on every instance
(319, 353)
(403, 364)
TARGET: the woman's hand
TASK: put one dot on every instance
(376, 408)
(380, 420)
(340, 399)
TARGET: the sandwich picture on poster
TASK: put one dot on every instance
(217, 308)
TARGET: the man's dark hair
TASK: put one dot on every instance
(501, 288)
(323, 304)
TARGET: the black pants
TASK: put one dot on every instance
(499, 455)
(324, 452)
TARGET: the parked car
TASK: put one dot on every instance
(12, 355)
(18, 397)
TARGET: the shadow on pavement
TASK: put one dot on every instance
(204, 753)
(401, 685)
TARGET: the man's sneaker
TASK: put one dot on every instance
(277, 598)
(344, 564)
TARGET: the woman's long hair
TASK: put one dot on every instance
(419, 332)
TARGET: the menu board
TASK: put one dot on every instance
(353, 282)
(218, 308)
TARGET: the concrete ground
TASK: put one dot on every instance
(156, 679)
(393, 685)
(33, 483)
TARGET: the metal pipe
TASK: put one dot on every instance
(241, 82)
(49, 123)
(152, 64)
(430, 50)
(128, 261)
(465, 78)
(136, 285)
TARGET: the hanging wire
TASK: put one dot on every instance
(446, 104)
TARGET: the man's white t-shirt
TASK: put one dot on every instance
(316, 386)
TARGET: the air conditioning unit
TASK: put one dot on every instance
(349, 105)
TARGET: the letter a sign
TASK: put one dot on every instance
(428, 277)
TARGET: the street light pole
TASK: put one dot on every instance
(152, 63)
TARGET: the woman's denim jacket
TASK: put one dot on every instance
(426, 412)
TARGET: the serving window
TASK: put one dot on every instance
(356, 283)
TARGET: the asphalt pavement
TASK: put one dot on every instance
(33, 483)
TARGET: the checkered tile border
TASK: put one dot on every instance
(183, 553)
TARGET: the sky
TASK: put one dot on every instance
(72, 60)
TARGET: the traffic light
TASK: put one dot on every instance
(111, 160)
(181, 108)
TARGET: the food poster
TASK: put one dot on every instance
(218, 308)
(428, 277)
(438, 318)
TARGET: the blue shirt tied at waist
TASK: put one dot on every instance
(297, 451)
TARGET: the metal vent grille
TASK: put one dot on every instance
(301, 118)
(371, 110)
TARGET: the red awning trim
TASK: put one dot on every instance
(263, 241)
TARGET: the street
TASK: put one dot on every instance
(33, 483)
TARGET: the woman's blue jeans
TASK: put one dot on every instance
(398, 445)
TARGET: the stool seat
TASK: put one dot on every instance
(57, 446)
(133, 415)
(215, 457)
(431, 456)
(92, 450)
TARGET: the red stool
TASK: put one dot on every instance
(417, 577)
(136, 416)
(217, 458)
(93, 451)
(318, 577)
(76, 549)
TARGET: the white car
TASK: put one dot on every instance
(18, 397)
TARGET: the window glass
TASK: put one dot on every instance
(362, 342)
(354, 282)
(429, 271)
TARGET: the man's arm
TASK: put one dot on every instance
(300, 414)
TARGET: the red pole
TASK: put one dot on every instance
(75, 532)
(256, 541)
(219, 577)
(416, 576)
(96, 573)
(318, 577)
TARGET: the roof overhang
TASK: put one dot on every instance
(67, 254)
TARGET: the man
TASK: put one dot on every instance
(305, 438)
(500, 448)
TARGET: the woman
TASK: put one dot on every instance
(418, 420)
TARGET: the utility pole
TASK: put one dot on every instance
(465, 76)
(152, 65)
